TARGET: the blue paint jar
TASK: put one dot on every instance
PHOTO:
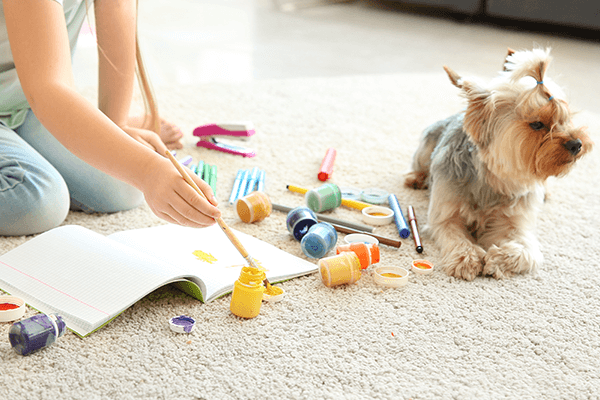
(299, 220)
(320, 240)
(35, 333)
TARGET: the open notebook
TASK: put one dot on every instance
(89, 279)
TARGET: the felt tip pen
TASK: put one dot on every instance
(252, 180)
(334, 221)
(206, 172)
(327, 165)
(200, 169)
(359, 205)
(212, 178)
(236, 186)
(261, 181)
(242, 189)
(398, 217)
(412, 219)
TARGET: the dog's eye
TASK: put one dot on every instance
(537, 125)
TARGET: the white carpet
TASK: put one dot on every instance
(530, 337)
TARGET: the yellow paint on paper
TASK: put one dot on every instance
(206, 257)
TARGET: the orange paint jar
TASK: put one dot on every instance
(254, 207)
(368, 253)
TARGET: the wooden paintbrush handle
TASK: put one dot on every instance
(234, 240)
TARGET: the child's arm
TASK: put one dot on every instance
(39, 43)
(116, 31)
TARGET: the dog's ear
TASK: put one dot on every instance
(479, 110)
(510, 53)
(454, 77)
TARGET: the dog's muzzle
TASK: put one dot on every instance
(573, 146)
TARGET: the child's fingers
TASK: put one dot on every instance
(154, 140)
(205, 188)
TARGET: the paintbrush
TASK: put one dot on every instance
(234, 240)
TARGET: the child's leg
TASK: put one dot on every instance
(33, 196)
(91, 190)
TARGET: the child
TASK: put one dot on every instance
(57, 150)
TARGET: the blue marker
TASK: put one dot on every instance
(401, 224)
(242, 186)
(252, 180)
(261, 181)
(236, 186)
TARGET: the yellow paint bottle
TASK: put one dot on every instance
(340, 269)
(248, 293)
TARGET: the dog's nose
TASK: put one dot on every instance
(573, 146)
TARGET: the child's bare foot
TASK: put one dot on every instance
(170, 134)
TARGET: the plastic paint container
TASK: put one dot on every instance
(340, 269)
(35, 333)
(319, 240)
(360, 238)
(374, 196)
(254, 207)
(11, 308)
(390, 276)
(182, 324)
(422, 267)
(350, 193)
(247, 293)
(324, 198)
(274, 295)
(299, 220)
(377, 215)
(367, 253)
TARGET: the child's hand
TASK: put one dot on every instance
(171, 198)
(146, 137)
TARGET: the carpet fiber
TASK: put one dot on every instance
(530, 337)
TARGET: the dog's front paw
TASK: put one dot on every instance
(509, 259)
(465, 261)
(416, 180)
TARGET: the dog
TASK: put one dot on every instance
(485, 167)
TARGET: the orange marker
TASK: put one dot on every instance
(327, 165)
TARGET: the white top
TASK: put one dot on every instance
(13, 104)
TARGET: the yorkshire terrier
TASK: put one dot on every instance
(486, 167)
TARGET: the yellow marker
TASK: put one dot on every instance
(359, 205)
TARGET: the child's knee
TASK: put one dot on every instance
(31, 203)
(109, 197)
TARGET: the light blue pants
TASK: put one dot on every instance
(40, 180)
